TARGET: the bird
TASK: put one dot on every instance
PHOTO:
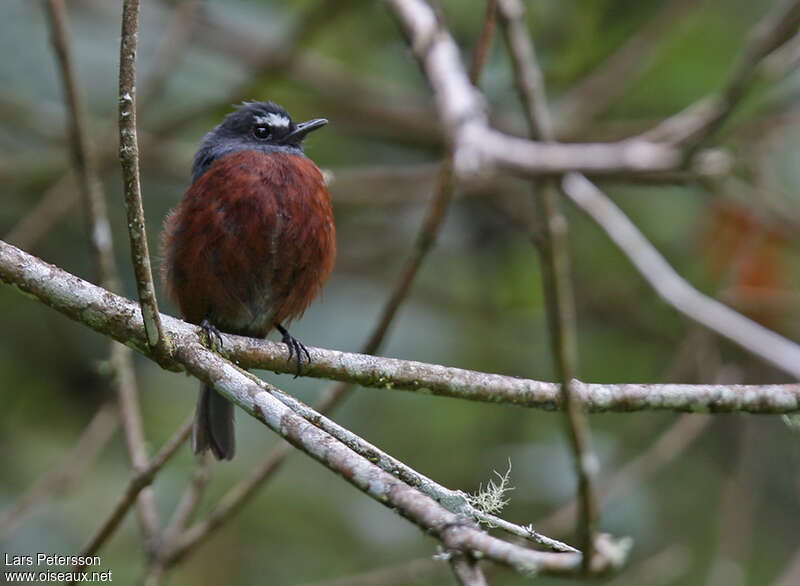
(250, 245)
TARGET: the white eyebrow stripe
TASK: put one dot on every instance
(273, 119)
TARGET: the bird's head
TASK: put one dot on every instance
(263, 126)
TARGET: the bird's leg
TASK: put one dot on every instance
(213, 335)
(296, 348)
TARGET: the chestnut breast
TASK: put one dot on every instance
(251, 243)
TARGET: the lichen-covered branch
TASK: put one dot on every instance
(120, 319)
(259, 399)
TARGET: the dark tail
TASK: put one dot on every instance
(213, 425)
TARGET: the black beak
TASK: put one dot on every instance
(300, 131)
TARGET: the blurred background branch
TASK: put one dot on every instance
(557, 279)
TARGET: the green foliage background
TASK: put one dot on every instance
(477, 303)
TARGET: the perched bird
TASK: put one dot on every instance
(251, 243)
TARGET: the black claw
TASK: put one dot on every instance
(213, 335)
(296, 348)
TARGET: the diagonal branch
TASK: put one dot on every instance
(775, 29)
(453, 501)
(259, 399)
(676, 291)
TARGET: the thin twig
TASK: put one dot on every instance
(129, 159)
(131, 414)
(181, 516)
(669, 445)
(484, 43)
(558, 283)
(188, 502)
(142, 478)
(230, 504)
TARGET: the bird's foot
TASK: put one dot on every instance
(213, 335)
(296, 348)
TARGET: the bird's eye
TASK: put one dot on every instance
(262, 132)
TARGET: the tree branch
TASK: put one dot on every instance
(120, 318)
(261, 401)
(82, 153)
(706, 311)
(129, 159)
(454, 501)
(477, 148)
(557, 280)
